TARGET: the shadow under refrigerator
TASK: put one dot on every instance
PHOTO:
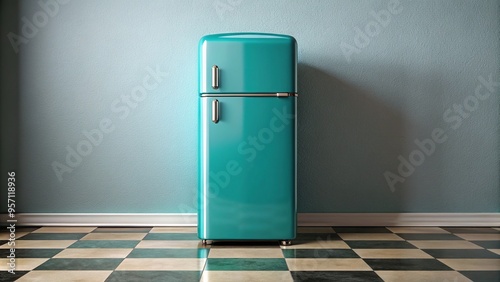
(247, 137)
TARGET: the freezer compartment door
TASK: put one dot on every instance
(247, 180)
(247, 63)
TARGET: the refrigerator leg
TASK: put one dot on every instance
(285, 243)
(206, 242)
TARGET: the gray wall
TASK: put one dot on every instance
(372, 85)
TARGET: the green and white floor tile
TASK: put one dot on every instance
(317, 254)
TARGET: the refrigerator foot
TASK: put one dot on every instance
(206, 242)
(286, 243)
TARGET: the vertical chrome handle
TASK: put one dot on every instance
(215, 111)
(215, 77)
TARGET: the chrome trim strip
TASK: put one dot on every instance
(280, 94)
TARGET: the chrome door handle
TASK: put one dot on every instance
(215, 77)
(215, 111)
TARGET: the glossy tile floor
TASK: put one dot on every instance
(318, 254)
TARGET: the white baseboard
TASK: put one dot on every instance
(304, 219)
(105, 219)
(399, 219)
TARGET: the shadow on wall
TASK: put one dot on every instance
(347, 139)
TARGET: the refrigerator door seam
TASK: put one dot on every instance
(279, 94)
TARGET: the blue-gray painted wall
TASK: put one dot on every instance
(371, 83)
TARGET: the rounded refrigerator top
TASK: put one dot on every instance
(247, 63)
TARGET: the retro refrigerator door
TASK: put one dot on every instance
(247, 174)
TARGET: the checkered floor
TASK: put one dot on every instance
(318, 254)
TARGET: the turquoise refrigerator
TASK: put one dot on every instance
(247, 137)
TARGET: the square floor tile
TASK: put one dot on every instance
(316, 236)
(361, 230)
(419, 276)
(434, 236)
(22, 263)
(444, 244)
(370, 236)
(31, 253)
(171, 236)
(324, 264)
(406, 264)
(176, 264)
(328, 276)
(391, 253)
(7, 276)
(114, 236)
(479, 253)
(169, 253)
(474, 230)
(230, 276)
(332, 244)
(482, 276)
(480, 237)
(122, 230)
(380, 245)
(301, 230)
(71, 275)
(488, 244)
(319, 253)
(166, 244)
(40, 244)
(93, 253)
(245, 253)
(245, 244)
(105, 244)
(64, 230)
(496, 251)
(80, 264)
(472, 264)
(154, 276)
(54, 236)
(416, 230)
(174, 230)
(275, 264)
(4, 236)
